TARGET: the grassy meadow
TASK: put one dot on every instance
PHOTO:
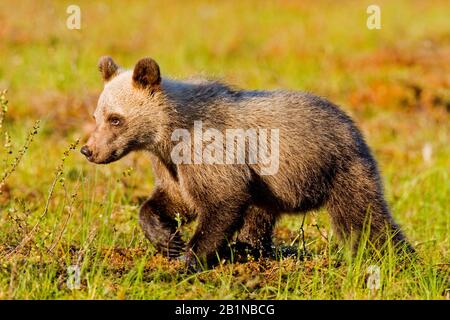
(59, 212)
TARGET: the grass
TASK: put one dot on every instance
(57, 210)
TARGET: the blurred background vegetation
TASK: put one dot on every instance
(394, 82)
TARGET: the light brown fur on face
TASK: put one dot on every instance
(122, 111)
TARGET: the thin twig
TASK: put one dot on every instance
(303, 233)
(320, 231)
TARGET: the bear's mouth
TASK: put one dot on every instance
(114, 156)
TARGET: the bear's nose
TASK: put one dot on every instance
(86, 151)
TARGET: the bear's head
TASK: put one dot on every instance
(130, 111)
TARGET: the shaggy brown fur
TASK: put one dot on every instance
(324, 161)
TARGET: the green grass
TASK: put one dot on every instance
(57, 210)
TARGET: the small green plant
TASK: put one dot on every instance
(3, 107)
(9, 168)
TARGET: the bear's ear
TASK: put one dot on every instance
(108, 68)
(146, 74)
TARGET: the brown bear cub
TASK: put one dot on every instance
(318, 158)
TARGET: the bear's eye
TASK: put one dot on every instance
(115, 121)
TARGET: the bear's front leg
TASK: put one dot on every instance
(255, 236)
(220, 195)
(156, 218)
(214, 230)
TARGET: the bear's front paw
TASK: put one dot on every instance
(173, 248)
(192, 265)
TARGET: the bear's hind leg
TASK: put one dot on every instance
(356, 203)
